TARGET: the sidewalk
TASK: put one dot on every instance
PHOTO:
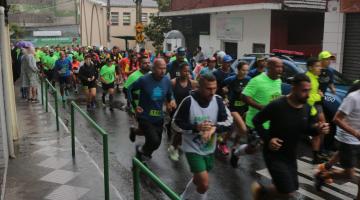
(44, 168)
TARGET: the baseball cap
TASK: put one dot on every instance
(212, 59)
(180, 51)
(325, 55)
(227, 58)
(261, 58)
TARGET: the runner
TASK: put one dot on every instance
(199, 118)
(260, 67)
(314, 101)
(259, 92)
(49, 64)
(235, 85)
(144, 69)
(182, 87)
(155, 89)
(173, 68)
(107, 78)
(75, 72)
(210, 68)
(87, 75)
(203, 62)
(289, 118)
(348, 137)
(63, 72)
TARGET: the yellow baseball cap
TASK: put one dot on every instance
(325, 55)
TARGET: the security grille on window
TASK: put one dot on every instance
(144, 18)
(126, 19)
(114, 18)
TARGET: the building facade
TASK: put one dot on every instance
(122, 22)
(250, 26)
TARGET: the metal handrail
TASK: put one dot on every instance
(139, 166)
(55, 94)
(104, 135)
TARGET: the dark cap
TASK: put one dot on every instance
(181, 51)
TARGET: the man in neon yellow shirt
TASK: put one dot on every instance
(315, 101)
(107, 78)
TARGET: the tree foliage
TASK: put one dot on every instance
(158, 26)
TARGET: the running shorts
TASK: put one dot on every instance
(199, 163)
(349, 155)
(239, 109)
(283, 173)
(89, 84)
(64, 80)
(105, 86)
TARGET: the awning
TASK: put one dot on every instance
(125, 37)
(241, 7)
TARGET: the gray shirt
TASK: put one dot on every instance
(351, 107)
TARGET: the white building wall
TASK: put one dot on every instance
(334, 29)
(256, 29)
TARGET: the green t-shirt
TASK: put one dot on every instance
(132, 78)
(108, 73)
(49, 62)
(263, 90)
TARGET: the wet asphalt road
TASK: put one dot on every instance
(226, 183)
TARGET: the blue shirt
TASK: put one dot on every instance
(254, 72)
(63, 67)
(153, 94)
(220, 76)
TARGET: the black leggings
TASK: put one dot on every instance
(153, 134)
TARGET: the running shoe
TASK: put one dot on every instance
(319, 181)
(223, 149)
(234, 159)
(67, 92)
(88, 107)
(132, 134)
(173, 153)
(93, 105)
(320, 169)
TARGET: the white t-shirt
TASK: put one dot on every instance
(351, 107)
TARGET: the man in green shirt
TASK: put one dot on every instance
(144, 69)
(258, 93)
(107, 78)
(48, 62)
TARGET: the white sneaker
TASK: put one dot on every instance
(173, 153)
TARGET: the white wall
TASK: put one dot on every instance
(256, 29)
(334, 32)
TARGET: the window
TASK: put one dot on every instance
(144, 18)
(114, 18)
(126, 19)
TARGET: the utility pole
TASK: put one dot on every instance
(108, 23)
(139, 33)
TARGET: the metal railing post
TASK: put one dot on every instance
(42, 90)
(46, 96)
(136, 181)
(56, 111)
(72, 130)
(106, 167)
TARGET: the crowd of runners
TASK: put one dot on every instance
(205, 106)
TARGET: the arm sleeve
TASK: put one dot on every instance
(260, 118)
(181, 120)
(135, 86)
(225, 120)
(347, 105)
(250, 89)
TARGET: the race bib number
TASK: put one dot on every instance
(155, 113)
(238, 103)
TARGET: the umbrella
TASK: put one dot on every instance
(24, 44)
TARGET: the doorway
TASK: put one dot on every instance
(231, 48)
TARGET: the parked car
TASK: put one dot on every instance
(291, 68)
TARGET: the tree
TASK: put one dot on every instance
(158, 26)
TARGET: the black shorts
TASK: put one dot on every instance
(239, 109)
(64, 80)
(283, 173)
(349, 155)
(49, 74)
(91, 84)
(106, 87)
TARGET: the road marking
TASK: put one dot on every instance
(265, 172)
(335, 167)
(308, 170)
(86, 153)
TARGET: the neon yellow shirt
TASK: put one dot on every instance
(314, 95)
